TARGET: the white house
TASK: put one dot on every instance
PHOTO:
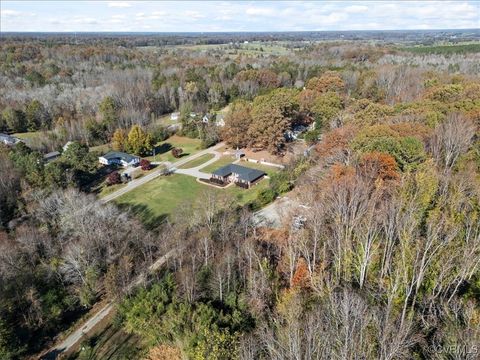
(119, 158)
(174, 116)
(206, 118)
(8, 139)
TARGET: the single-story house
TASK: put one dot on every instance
(119, 158)
(8, 139)
(240, 175)
(51, 156)
(174, 116)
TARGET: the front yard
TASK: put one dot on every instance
(159, 198)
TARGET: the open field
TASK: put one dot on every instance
(102, 149)
(163, 149)
(158, 198)
(277, 48)
(444, 49)
(269, 170)
(197, 162)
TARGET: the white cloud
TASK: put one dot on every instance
(119, 4)
(260, 11)
(193, 14)
(355, 9)
(11, 13)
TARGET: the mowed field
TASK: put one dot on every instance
(161, 197)
(163, 150)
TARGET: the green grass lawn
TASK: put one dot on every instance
(157, 199)
(102, 149)
(163, 149)
(198, 161)
(224, 160)
(29, 135)
(269, 170)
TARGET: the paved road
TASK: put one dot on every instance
(195, 171)
(138, 182)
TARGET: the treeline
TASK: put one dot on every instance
(64, 88)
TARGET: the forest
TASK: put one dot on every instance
(384, 265)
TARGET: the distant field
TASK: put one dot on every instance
(444, 49)
(252, 48)
(159, 198)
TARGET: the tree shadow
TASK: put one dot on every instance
(146, 215)
(163, 148)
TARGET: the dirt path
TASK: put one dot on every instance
(79, 334)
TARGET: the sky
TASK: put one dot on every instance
(208, 16)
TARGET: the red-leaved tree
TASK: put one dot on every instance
(145, 164)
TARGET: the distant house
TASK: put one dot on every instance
(65, 147)
(206, 118)
(220, 120)
(51, 156)
(240, 175)
(174, 116)
(8, 139)
(119, 158)
(295, 132)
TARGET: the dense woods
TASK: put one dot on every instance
(384, 265)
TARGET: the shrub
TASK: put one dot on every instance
(114, 178)
(177, 152)
(265, 197)
(311, 137)
(145, 164)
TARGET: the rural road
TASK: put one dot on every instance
(271, 215)
(138, 182)
(76, 336)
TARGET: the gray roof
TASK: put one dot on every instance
(51, 155)
(120, 155)
(244, 173)
(8, 138)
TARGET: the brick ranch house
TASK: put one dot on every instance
(239, 175)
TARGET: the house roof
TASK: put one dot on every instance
(51, 155)
(119, 155)
(8, 138)
(244, 173)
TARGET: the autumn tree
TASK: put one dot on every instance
(328, 81)
(119, 140)
(139, 142)
(237, 124)
(272, 116)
